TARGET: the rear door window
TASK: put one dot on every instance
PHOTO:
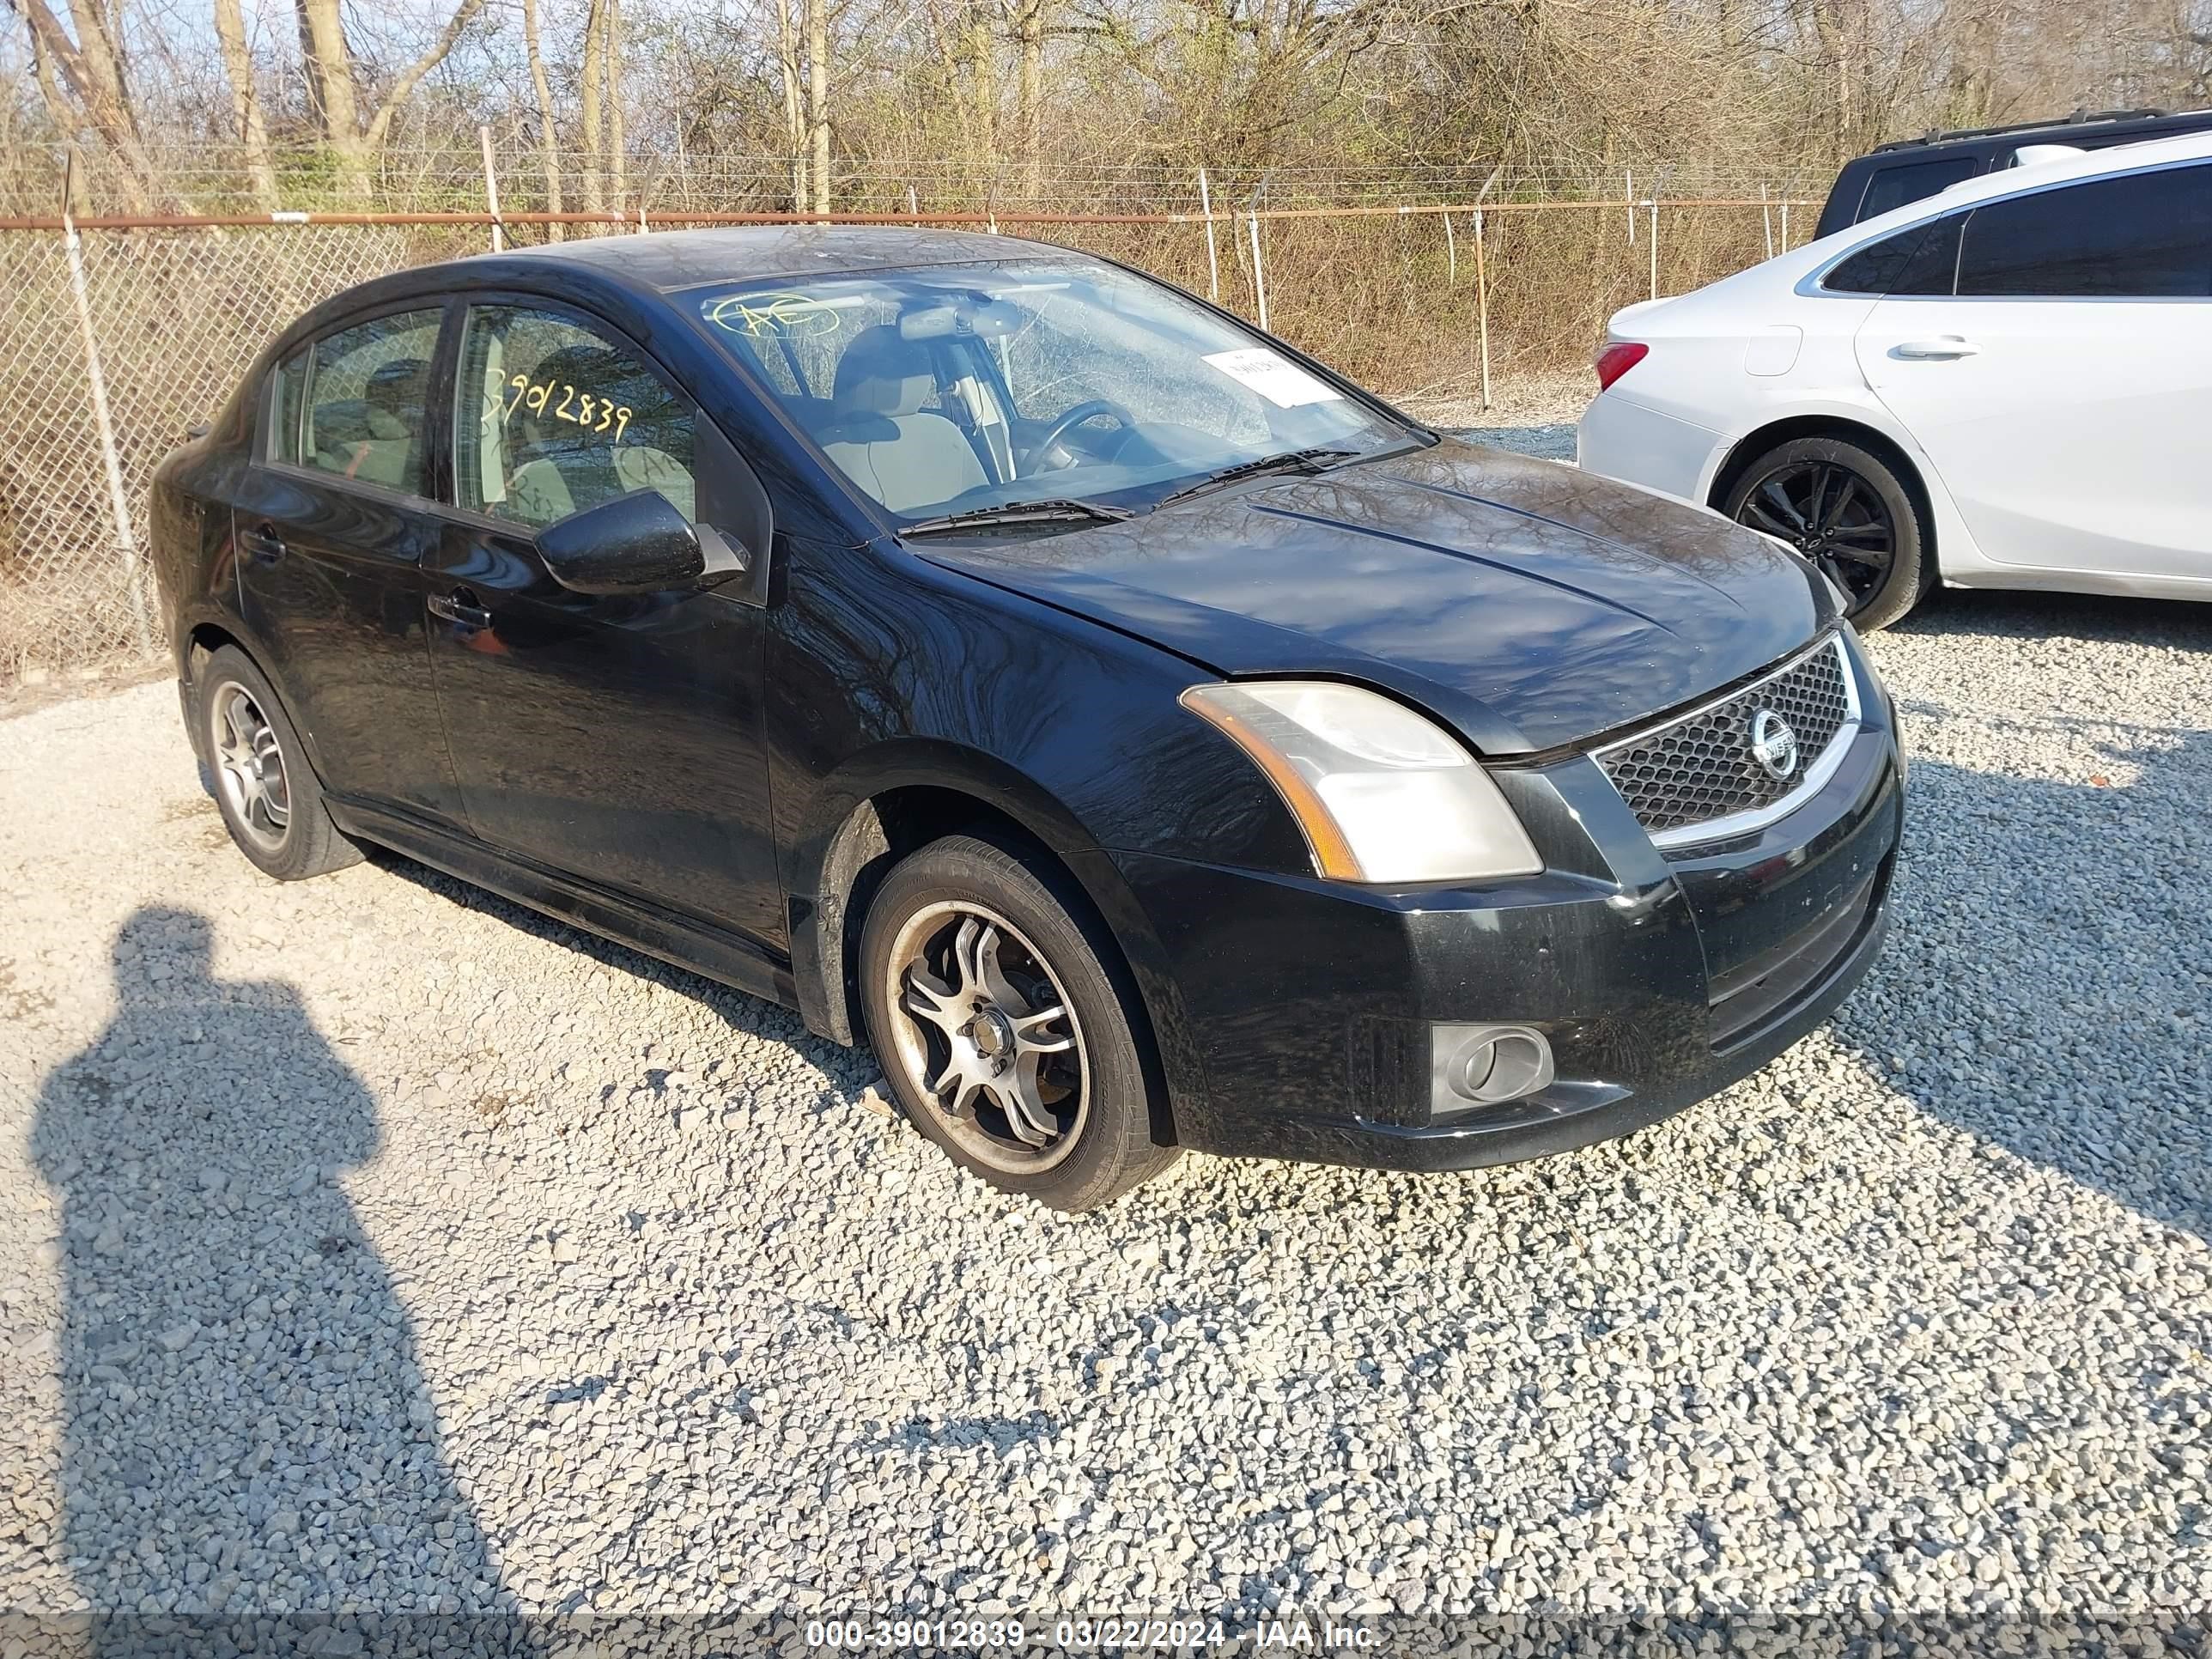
(2148, 235)
(365, 394)
(553, 415)
(1922, 260)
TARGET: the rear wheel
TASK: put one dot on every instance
(1001, 1029)
(1845, 510)
(271, 801)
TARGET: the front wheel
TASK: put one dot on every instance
(1001, 1029)
(1846, 511)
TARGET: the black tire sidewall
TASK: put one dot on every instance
(1908, 574)
(1115, 1150)
(312, 844)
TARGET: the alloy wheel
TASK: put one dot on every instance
(1831, 516)
(988, 1040)
(250, 764)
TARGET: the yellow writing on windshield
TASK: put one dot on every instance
(791, 315)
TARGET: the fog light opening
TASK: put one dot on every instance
(1489, 1065)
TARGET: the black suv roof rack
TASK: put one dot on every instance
(2079, 117)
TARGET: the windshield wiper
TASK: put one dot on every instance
(1056, 511)
(1296, 460)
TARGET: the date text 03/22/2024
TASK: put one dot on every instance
(1077, 1635)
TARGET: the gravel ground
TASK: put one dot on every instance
(369, 1243)
(1534, 414)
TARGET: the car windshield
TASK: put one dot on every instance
(962, 389)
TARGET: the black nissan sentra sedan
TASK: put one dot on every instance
(1143, 736)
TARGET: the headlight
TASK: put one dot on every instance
(1382, 794)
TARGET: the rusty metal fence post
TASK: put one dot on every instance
(119, 505)
(491, 190)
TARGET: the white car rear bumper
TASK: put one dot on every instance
(1620, 439)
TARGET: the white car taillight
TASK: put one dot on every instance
(1618, 358)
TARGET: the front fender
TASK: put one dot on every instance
(847, 838)
(916, 761)
(887, 673)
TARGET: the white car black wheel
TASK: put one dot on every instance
(1846, 512)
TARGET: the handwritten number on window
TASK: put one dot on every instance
(534, 395)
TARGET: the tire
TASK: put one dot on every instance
(998, 940)
(270, 799)
(1773, 492)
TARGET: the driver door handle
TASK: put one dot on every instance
(460, 606)
(263, 543)
(1940, 350)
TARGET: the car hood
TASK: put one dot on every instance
(1531, 605)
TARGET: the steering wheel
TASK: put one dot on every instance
(1088, 410)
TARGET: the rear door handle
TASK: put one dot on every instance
(264, 543)
(460, 606)
(1940, 350)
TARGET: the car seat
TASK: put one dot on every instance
(374, 439)
(880, 436)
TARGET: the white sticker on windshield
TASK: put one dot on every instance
(1274, 377)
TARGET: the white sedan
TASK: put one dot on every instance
(2007, 385)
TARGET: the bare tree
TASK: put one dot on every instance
(90, 67)
(333, 86)
(587, 100)
(818, 99)
(795, 118)
(549, 141)
(251, 131)
(983, 52)
(969, 96)
(1028, 21)
(617, 142)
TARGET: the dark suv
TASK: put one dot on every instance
(1145, 737)
(1912, 169)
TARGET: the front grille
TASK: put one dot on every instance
(1700, 767)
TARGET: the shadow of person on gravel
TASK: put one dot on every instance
(2047, 950)
(246, 1430)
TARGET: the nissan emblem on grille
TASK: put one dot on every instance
(1743, 753)
(1774, 744)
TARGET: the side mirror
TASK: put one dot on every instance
(635, 544)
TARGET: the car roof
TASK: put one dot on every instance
(666, 261)
(645, 268)
(2093, 126)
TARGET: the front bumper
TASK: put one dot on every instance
(1658, 980)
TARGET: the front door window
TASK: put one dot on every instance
(551, 418)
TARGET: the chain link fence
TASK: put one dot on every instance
(174, 315)
(1415, 301)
